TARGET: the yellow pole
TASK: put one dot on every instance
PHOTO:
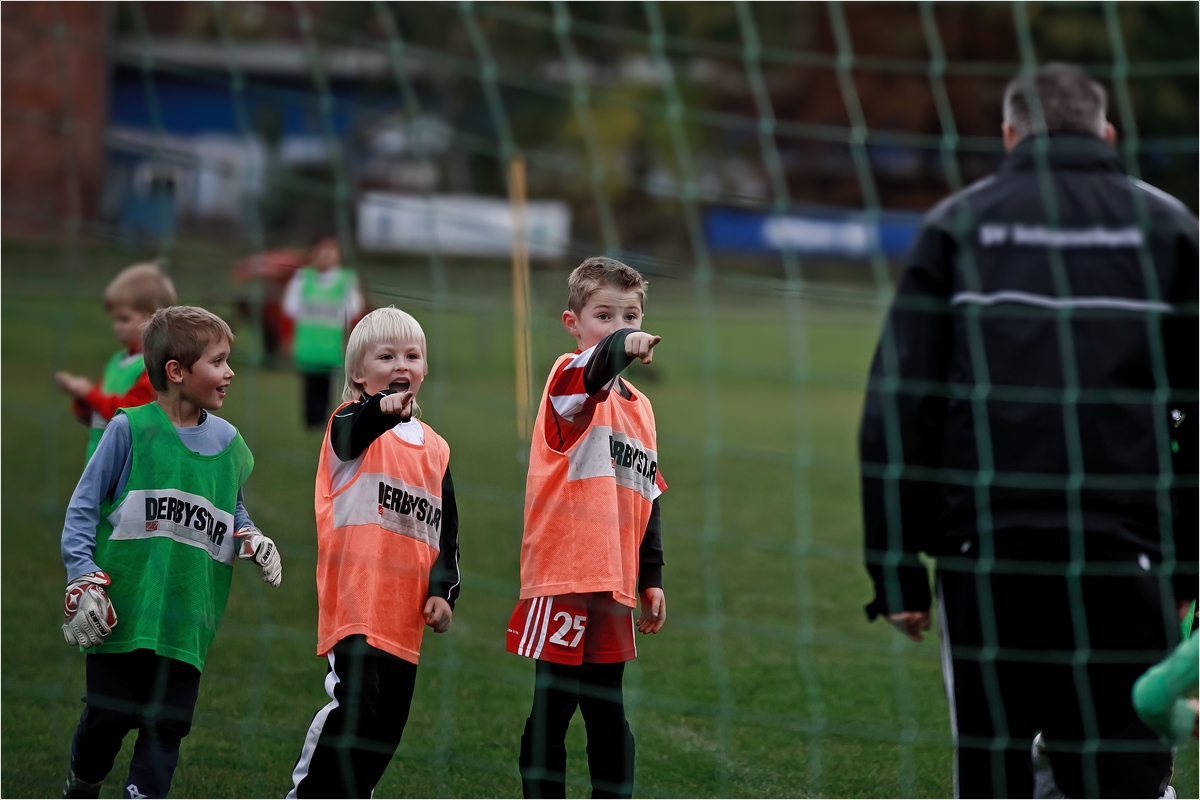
(520, 277)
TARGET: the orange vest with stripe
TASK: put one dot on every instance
(586, 509)
(377, 538)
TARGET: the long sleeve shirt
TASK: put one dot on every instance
(354, 428)
(107, 473)
(99, 406)
(576, 388)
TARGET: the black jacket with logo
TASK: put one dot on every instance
(1037, 372)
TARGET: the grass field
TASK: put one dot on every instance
(767, 679)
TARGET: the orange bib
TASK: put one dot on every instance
(377, 538)
(586, 509)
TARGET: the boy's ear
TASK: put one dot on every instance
(571, 323)
(174, 371)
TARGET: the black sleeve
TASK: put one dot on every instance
(1183, 358)
(607, 362)
(359, 424)
(443, 575)
(902, 428)
(650, 554)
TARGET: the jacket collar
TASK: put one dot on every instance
(1068, 151)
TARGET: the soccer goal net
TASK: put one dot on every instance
(765, 166)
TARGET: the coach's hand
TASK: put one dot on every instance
(911, 623)
(654, 610)
(640, 344)
(253, 546)
(88, 615)
(399, 404)
(438, 614)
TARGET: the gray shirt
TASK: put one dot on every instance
(106, 474)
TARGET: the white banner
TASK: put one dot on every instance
(459, 224)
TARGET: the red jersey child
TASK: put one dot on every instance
(130, 300)
(387, 557)
(592, 541)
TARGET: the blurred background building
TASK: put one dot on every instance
(267, 120)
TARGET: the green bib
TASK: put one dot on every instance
(119, 377)
(321, 324)
(167, 541)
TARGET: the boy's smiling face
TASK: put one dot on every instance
(606, 311)
(391, 365)
(205, 383)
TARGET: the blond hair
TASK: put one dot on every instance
(597, 272)
(381, 325)
(179, 333)
(142, 287)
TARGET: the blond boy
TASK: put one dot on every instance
(387, 557)
(130, 300)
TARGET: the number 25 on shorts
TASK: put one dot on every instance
(568, 623)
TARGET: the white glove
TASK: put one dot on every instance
(88, 616)
(251, 544)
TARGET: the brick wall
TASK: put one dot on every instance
(53, 100)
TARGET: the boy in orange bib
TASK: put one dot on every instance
(592, 542)
(387, 557)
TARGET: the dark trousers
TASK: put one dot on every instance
(316, 398)
(352, 739)
(142, 690)
(998, 704)
(596, 690)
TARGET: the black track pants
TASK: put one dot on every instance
(142, 690)
(1031, 684)
(596, 690)
(316, 398)
(352, 739)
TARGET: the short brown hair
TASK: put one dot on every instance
(179, 333)
(142, 287)
(1069, 101)
(597, 272)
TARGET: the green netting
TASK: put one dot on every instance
(767, 679)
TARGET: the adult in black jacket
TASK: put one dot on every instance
(1030, 422)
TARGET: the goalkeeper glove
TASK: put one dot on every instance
(88, 615)
(253, 545)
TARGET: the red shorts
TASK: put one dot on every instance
(572, 629)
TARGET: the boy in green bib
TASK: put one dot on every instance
(151, 535)
(130, 300)
(325, 301)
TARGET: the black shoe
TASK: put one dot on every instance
(74, 787)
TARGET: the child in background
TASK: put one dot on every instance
(387, 557)
(324, 299)
(130, 300)
(592, 540)
(151, 534)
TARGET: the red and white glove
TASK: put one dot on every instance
(252, 545)
(88, 616)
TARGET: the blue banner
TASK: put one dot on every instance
(825, 233)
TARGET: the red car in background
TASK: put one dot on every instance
(274, 268)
